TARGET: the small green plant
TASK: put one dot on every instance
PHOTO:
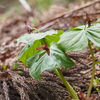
(96, 81)
(4, 67)
(45, 51)
(15, 65)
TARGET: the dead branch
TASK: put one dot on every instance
(69, 13)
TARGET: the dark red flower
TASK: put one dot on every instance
(29, 28)
(90, 20)
(44, 47)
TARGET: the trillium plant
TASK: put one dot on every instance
(47, 50)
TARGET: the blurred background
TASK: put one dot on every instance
(44, 14)
(39, 8)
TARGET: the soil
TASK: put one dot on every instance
(15, 85)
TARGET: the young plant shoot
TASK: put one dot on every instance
(45, 51)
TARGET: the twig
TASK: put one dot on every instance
(84, 6)
(96, 13)
(26, 5)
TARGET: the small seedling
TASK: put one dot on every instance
(15, 65)
(4, 67)
(96, 81)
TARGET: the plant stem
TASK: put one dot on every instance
(93, 70)
(56, 71)
(85, 26)
(35, 29)
(68, 86)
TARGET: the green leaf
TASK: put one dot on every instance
(65, 60)
(77, 38)
(34, 41)
(94, 85)
(73, 40)
(97, 80)
(25, 53)
(15, 65)
(46, 62)
(20, 72)
(93, 33)
(53, 37)
(34, 58)
(31, 38)
(28, 52)
(97, 90)
(4, 67)
(98, 62)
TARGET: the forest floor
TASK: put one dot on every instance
(15, 82)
